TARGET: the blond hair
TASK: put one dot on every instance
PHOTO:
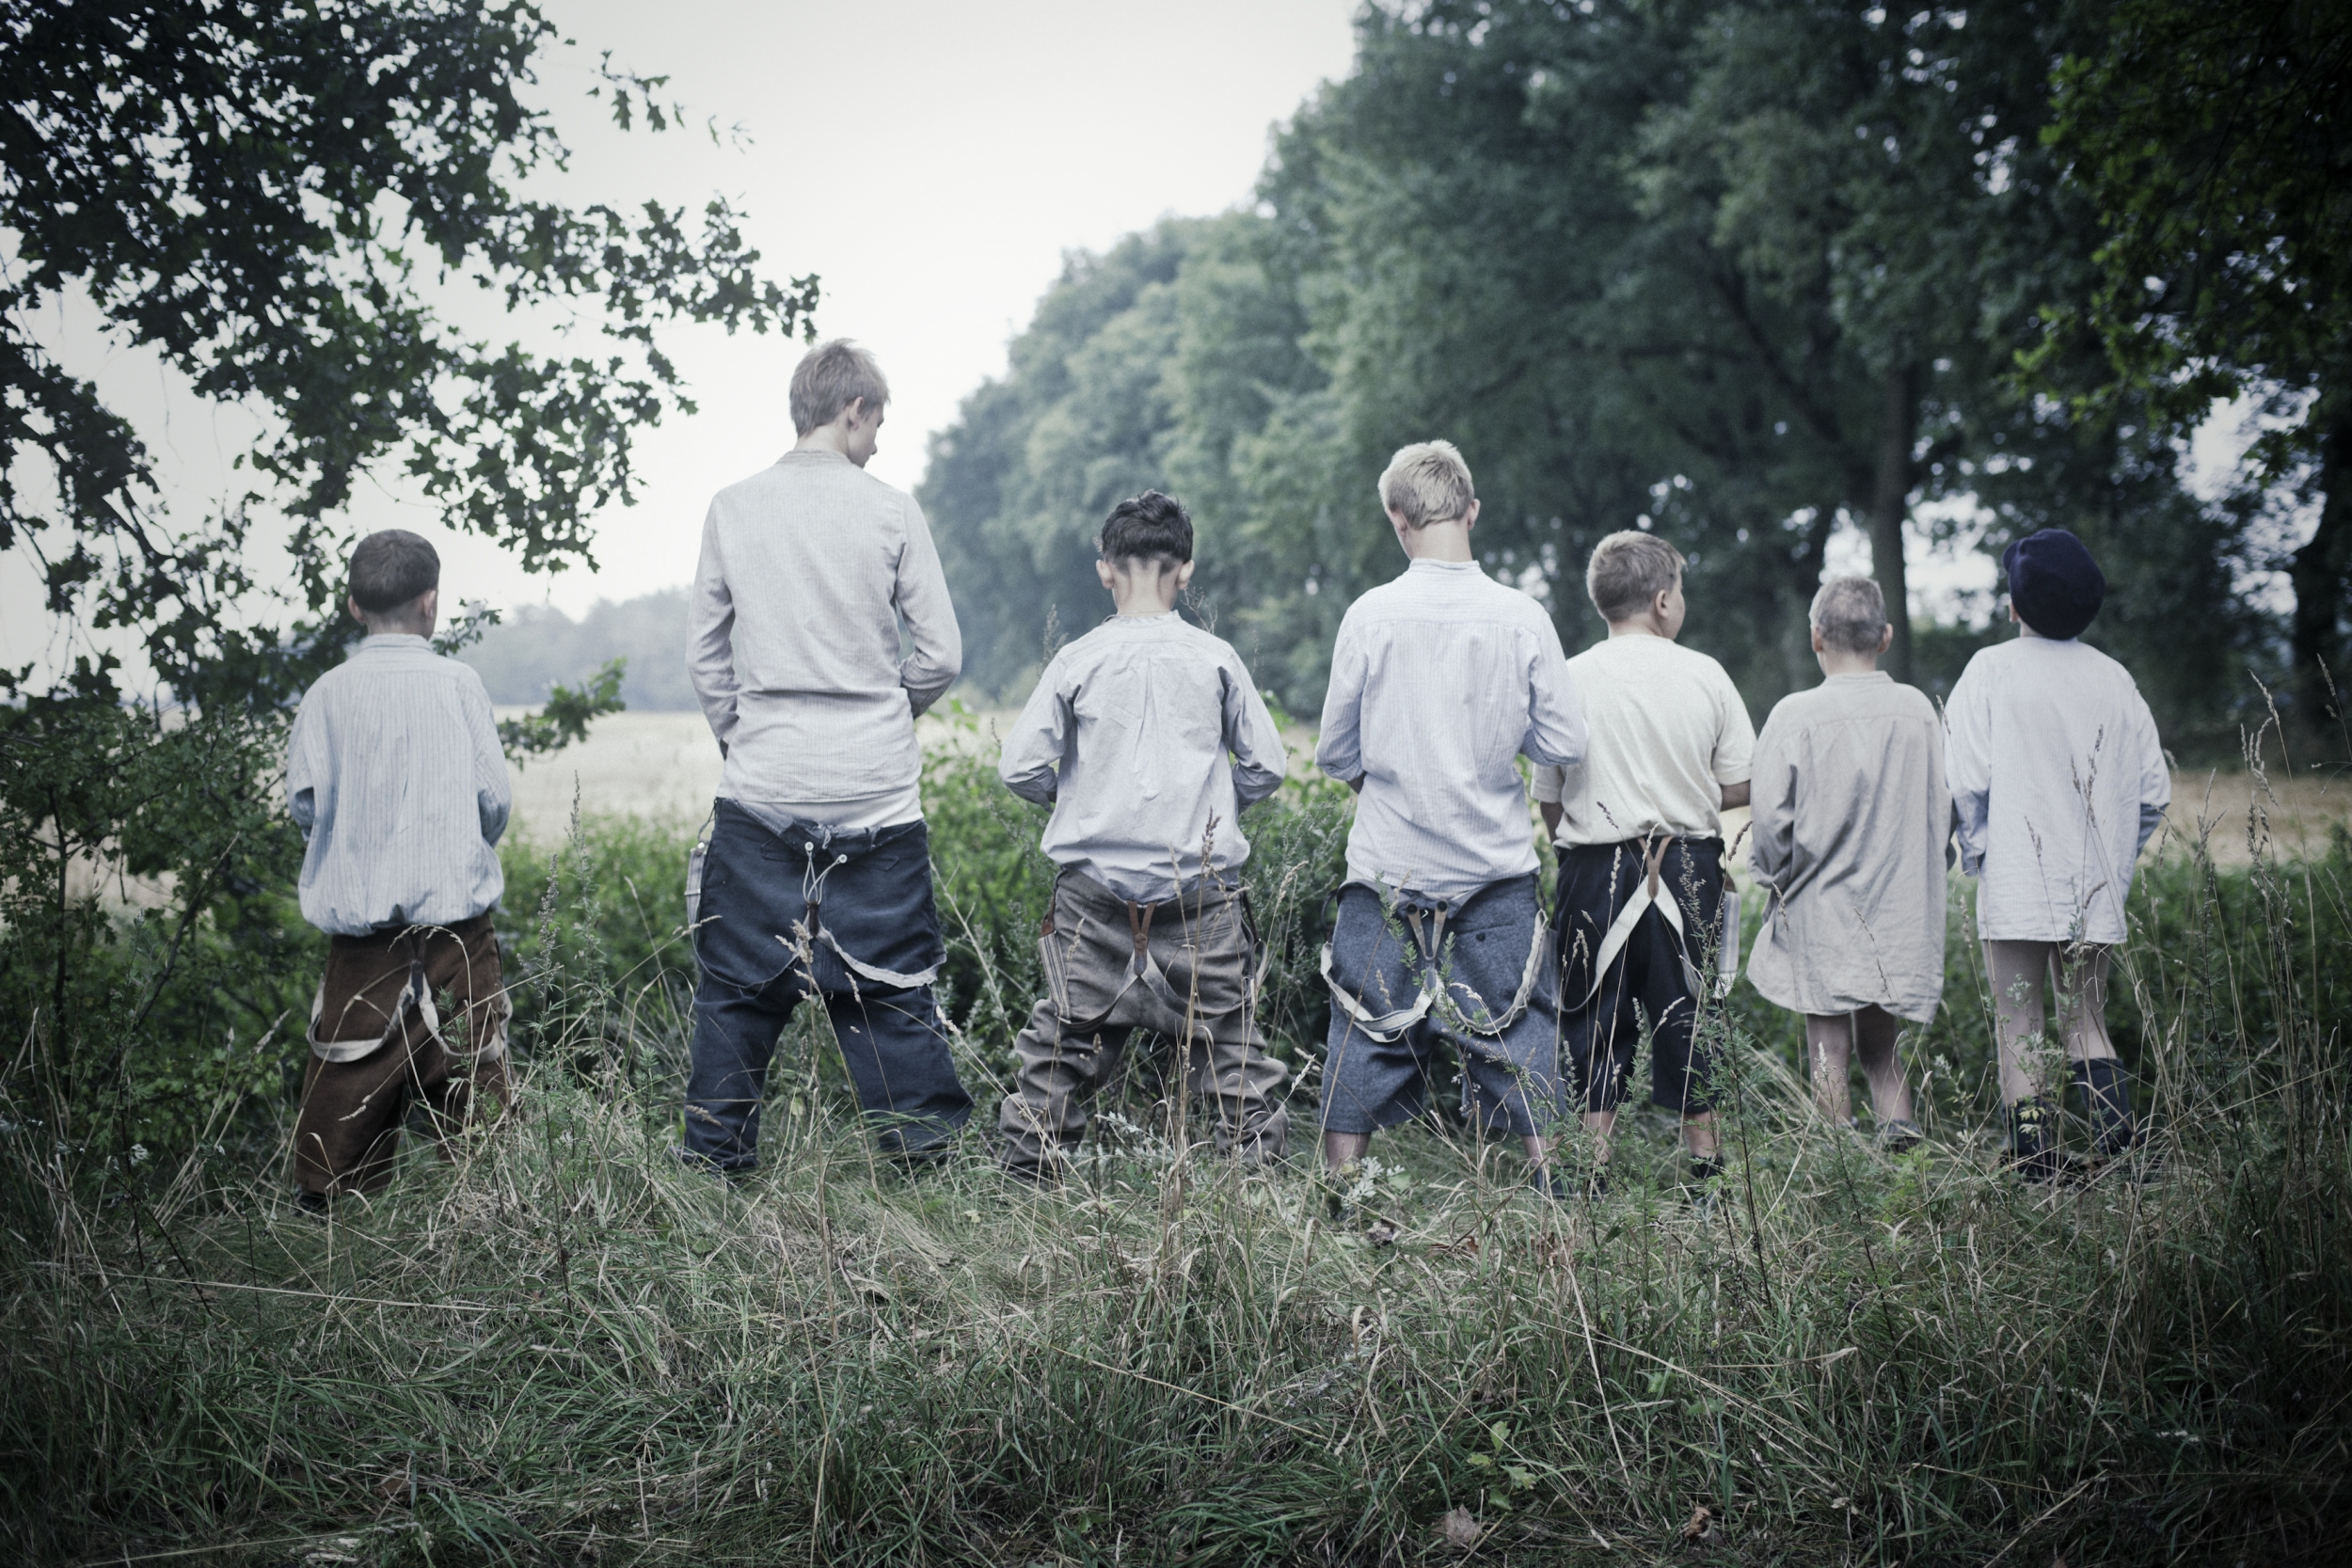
(1427, 482)
(1629, 570)
(1851, 614)
(831, 376)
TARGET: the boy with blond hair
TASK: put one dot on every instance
(1851, 820)
(1639, 829)
(1441, 681)
(395, 777)
(1149, 741)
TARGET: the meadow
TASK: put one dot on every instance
(557, 1347)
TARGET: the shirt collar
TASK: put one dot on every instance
(388, 641)
(1452, 567)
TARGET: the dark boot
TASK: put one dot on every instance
(2107, 1098)
(2033, 1143)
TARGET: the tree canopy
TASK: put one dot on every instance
(270, 195)
(1734, 272)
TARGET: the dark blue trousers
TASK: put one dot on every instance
(845, 916)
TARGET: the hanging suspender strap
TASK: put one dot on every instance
(1434, 992)
(1645, 897)
(813, 891)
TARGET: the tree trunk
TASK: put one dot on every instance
(2319, 573)
(1890, 495)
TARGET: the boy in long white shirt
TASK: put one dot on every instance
(1639, 828)
(1851, 822)
(2058, 779)
(1128, 736)
(1441, 681)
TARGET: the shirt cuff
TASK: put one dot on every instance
(1549, 784)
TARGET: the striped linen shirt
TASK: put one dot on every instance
(807, 570)
(1440, 680)
(394, 775)
(1128, 732)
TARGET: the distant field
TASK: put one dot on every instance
(665, 765)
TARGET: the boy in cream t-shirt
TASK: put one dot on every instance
(1639, 830)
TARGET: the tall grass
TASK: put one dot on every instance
(559, 1347)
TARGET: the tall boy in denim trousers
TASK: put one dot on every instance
(394, 775)
(1149, 741)
(1441, 681)
(817, 877)
(1639, 828)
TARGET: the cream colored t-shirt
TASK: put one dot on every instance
(1668, 731)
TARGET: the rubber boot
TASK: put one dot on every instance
(2107, 1098)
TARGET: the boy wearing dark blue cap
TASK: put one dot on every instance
(2081, 785)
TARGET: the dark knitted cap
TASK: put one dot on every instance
(2054, 584)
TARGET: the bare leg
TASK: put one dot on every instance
(1875, 1031)
(1539, 1151)
(1343, 1148)
(2020, 973)
(1698, 1132)
(2082, 1003)
(1829, 1047)
(1602, 1125)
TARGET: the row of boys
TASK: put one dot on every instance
(1148, 740)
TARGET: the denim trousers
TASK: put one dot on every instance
(846, 917)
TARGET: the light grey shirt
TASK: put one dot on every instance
(1129, 732)
(2058, 779)
(808, 569)
(1441, 681)
(394, 775)
(1851, 821)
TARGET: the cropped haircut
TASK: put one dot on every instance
(1629, 570)
(1851, 614)
(1427, 482)
(1151, 525)
(831, 376)
(392, 567)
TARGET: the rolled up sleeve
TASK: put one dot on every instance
(1031, 761)
(1968, 768)
(1555, 716)
(494, 790)
(1252, 737)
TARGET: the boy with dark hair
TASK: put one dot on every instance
(394, 775)
(1440, 682)
(2082, 786)
(1128, 736)
(817, 879)
(1640, 835)
(1851, 820)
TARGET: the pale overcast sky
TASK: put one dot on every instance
(932, 160)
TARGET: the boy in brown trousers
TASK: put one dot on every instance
(395, 777)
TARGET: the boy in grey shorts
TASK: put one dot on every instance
(1128, 737)
(1441, 681)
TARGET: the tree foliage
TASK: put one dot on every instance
(1740, 273)
(2214, 138)
(270, 196)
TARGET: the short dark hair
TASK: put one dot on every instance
(1147, 525)
(392, 567)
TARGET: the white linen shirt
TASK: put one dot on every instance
(2058, 779)
(395, 777)
(793, 641)
(1851, 819)
(1668, 732)
(1128, 733)
(1440, 680)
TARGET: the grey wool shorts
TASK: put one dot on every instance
(1182, 971)
(1416, 977)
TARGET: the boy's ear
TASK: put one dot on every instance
(1184, 575)
(1103, 574)
(352, 604)
(1886, 637)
